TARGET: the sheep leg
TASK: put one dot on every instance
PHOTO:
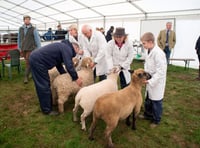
(83, 116)
(133, 122)
(135, 113)
(60, 105)
(128, 123)
(75, 110)
(92, 128)
(54, 96)
(111, 125)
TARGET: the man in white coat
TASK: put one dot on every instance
(155, 87)
(94, 45)
(120, 54)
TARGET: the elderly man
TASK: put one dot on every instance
(166, 40)
(94, 45)
(44, 59)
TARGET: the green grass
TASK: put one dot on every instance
(22, 125)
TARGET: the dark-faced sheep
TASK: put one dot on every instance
(119, 105)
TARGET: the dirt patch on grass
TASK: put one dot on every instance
(21, 106)
(179, 140)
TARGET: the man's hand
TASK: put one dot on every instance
(79, 82)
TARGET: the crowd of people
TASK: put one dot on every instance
(107, 51)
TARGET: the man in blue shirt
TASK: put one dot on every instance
(44, 59)
(28, 40)
(49, 35)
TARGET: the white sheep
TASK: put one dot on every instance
(53, 73)
(63, 86)
(87, 96)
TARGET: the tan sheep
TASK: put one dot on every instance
(87, 96)
(119, 105)
(63, 86)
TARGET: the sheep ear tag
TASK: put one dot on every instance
(131, 71)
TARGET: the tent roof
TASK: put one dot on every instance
(51, 11)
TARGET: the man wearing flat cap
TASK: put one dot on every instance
(28, 40)
(120, 54)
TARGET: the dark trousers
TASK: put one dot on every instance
(153, 110)
(167, 53)
(199, 58)
(122, 80)
(101, 77)
(42, 84)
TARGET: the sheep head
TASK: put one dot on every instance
(75, 61)
(139, 76)
(86, 62)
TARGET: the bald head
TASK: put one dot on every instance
(86, 31)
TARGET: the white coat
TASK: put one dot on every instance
(122, 57)
(95, 48)
(72, 39)
(156, 65)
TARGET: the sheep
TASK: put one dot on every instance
(119, 105)
(87, 96)
(53, 73)
(63, 86)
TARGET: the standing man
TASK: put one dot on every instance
(44, 59)
(60, 33)
(166, 40)
(94, 45)
(28, 40)
(197, 47)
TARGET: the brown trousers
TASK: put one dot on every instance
(26, 55)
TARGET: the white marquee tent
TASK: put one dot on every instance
(137, 16)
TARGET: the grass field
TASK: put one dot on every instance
(22, 125)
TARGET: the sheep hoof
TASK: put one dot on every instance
(133, 128)
(83, 129)
(128, 123)
(90, 138)
(75, 120)
(110, 146)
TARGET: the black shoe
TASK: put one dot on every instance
(52, 113)
(144, 117)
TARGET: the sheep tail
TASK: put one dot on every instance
(78, 98)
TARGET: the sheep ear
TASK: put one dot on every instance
(131, 71)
